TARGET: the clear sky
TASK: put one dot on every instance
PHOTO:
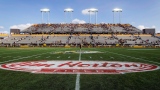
(22, 13)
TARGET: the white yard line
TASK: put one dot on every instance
(6, 56)
(145, 52)
(80, 55)
(134, 57)
(14, 52)
(22, 58)
(77, 86)
(48, 57)
(17, 52)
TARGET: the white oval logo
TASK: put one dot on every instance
(79, 67)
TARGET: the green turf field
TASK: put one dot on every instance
(16, 80)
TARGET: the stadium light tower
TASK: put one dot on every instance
(117, 10)
(95, 11)
(45, 10)
(68, 10)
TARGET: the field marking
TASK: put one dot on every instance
(134, 57)
(150, 57)
(23, 58)
(80, 55)
(77, 86)
(48, 57)
(101, 57)
(37, 57)
(14, 52)
(6, 56)
(145, 52)
(111, 57)
(155, 57)
(18, 52)
(142, 49)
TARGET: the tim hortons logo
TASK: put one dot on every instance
(79, 67)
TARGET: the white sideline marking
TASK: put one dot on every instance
(134, 57)
(77, 87)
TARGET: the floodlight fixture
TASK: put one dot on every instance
(68, 10)
(117, 10)
(45, 10)
(94, 10)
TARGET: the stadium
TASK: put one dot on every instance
(76, 56)
(94, 35)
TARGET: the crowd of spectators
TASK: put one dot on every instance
(71, 28)
(77, 39)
